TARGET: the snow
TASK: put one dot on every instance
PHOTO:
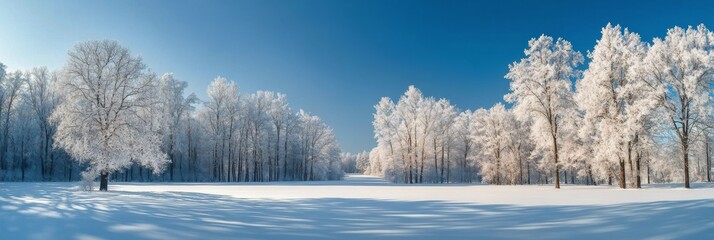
(360, 207)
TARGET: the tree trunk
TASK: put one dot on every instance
(709, 161)
(520, 168)
(51, 157)
(285, 157)
(637, 171)
(622, 174)
(498, 170)
(565, 175)
(528, 171)
(684, 140)
(448, 164)
(436, 163)
(555, 159)
(44, 155)
(441, 175)
(277, 155)
(686, 166)
(421, 164)
(171, 156)
(648, 172)
(104, 181)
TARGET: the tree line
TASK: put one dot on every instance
(105, 115)
(639, 112)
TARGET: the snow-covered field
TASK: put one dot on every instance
(358, 208)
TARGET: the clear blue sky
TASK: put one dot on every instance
(332, 58)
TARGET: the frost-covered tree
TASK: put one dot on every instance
(362, 161)
(43, 99)
(464, 148)
(680, 69)
(442, 138)
(12, 87)
(349, 162)
(504, 152)
(23, 133)
(541, 91)
(355, 162)
(220, 116)
(407, 110)
(388, 139)
(259, 131)
(105, 117)
(319, 149)
(519, 148)
(611, 96)
(175, 106)
(402, 130)
(279, 114)
(490, 132)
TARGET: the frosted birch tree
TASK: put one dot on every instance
(175, 108)
(443, 139)
(12, 88)
(464, 147)
(541, 90)
(611, 95)
(220, 116)
(490, 132)
(321, 157)
(407, 110)
(519, 147)
(384, 160)
(43, 99)
(279, 113)
(680, 71)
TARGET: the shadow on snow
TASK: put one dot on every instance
(44, 211)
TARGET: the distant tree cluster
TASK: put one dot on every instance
(105, 115)
(639, 112)
(355, 162)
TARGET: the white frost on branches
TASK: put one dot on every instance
(106, 115)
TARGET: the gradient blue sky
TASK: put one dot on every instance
(332, 58)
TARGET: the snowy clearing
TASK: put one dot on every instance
(359, 207)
